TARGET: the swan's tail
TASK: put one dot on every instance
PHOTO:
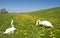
(12, 23)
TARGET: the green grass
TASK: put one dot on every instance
(25, 24)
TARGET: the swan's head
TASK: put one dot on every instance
(12, 21)
(38, 21)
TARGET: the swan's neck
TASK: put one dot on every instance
(13, 27)
(12, 23)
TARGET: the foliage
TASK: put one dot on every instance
(3, 11)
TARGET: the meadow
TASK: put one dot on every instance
(25, 24)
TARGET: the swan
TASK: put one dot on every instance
(11, 29)
(44, 23)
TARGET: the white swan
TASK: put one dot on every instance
(10, 30)
(44, 23)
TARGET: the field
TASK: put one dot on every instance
(25, 24)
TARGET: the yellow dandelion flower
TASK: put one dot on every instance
(17, 29)
(51, 32)
(23, 25)
(39, 37)
(58, 30)
(49, 29)
(42, 30)
(21, 30)
(54, 31)
(42, 34)
(17, 33)
(12, 36)
(50, 35)
(12, 32)
(53, 37)
(32, 26)
(0, 31)
(26, 37)
(59, 26)
(25, 33)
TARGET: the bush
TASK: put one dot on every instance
(3, 11)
